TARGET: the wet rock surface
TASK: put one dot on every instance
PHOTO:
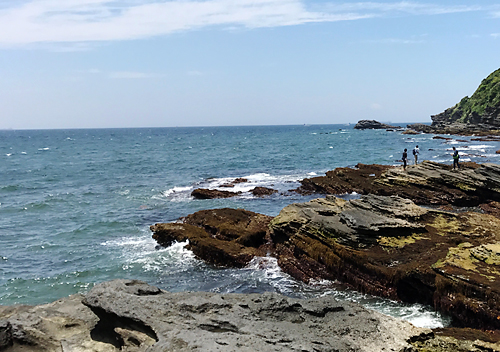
(226, 237)
(125, 315)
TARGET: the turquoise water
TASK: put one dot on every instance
(76, 205)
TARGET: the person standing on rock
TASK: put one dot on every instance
(416, 151)
(405, 158)
(455, 158)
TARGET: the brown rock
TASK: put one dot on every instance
(226, 237)
(427, 183)
(203, 193)
(263, 191)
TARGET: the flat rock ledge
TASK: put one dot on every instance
(125, 315)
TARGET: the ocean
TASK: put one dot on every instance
(76, 205)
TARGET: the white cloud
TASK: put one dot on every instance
(104, 20)
(81, 21)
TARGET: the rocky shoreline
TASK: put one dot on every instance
(428, 234)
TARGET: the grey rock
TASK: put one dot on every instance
(124, 315)
(357, 223)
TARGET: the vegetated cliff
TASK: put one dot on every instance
(481, 109)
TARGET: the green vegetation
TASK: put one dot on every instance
(485, 98)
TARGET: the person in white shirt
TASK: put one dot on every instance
(416, 151)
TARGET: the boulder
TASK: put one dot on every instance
(263, 191)
(203, 193)
(372, 124)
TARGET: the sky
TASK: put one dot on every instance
(166, 63)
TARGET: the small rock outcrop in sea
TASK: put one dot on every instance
(372, 124)
(203, 193)
(125, 315)
(420, 127)
(263, 191)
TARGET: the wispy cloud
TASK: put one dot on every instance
(105, 20)
(403, 7)
(81, 21)
(398, 41)
(130, 75)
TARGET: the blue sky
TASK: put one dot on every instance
(159, 63)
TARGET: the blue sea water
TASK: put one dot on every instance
(76, 205)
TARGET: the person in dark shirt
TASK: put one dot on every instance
(455, 158)
(405, 158)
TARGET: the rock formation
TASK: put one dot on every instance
(390, 247)
(427, 183)
(124, 315)
(372, 124)
(382, 245)
(481, 109)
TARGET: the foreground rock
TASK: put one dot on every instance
(372, 124)
(124, 315)
(427, 183)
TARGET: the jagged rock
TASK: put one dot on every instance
(390, 247)
(203, 193)
(427, 183)
(263, 191)
(227, 237)
(372, 124)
